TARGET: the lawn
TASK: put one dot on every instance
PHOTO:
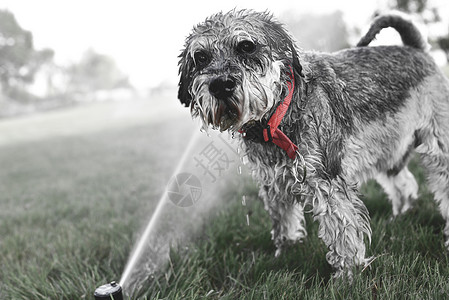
(72, 207)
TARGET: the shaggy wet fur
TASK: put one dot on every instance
(356, 114)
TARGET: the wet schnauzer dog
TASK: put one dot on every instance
(315, 126)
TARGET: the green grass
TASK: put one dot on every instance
(231, 260)
(71, 208)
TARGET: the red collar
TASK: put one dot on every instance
(271, 133)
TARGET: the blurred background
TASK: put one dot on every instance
(91, 132)
(55, 54)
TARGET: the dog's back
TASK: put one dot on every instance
(371, 82)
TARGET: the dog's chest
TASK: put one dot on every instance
(268, 163)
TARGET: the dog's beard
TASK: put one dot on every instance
(254, 96)
(215, 113)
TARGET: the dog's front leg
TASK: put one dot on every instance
(343, 222)
(287, 216)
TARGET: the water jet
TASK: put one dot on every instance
(157, 212)
(153, 244)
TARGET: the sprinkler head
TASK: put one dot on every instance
(110, 291)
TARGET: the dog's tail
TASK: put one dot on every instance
(410, 34)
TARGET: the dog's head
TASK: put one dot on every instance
(235, 68)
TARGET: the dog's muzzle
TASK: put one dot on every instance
(222, 87)
(227, 110)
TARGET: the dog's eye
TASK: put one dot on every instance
(246, 47)
(201, 58)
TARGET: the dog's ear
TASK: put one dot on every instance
(279, 33)
(297, 67)
(185, 78)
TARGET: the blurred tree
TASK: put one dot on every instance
(95, 72)
(443, 42)
(429, 14)
(19, 61)
(426, 10)
(319, 32)
(411, 6)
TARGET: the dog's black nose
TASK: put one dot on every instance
(222, 87)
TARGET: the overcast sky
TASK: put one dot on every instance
(145, 37)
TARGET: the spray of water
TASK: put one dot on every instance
(140, 247)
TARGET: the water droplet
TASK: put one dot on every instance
(247, 219)
(245, 159)
(244, 200)
(239, 169)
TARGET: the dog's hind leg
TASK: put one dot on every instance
(435, 158)
(287, 216)
(434, 150)
(437, 165)
(401, 188)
